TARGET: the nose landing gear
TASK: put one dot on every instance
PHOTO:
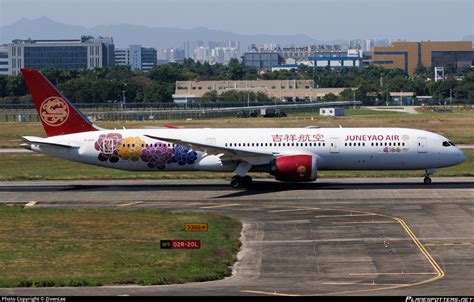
(428, 173)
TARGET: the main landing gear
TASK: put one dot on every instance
(428, 173)
(239, 181)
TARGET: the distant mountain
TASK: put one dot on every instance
(126, 34)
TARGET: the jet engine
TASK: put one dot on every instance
(294, 168)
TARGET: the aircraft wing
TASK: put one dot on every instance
(212, 149)
(41, 141)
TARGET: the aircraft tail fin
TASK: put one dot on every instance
(57, 114)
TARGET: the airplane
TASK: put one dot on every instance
(289, 154)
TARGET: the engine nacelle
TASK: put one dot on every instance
(294, 168)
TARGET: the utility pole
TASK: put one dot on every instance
(123, 96)
(451, 98)
(353, 99)
(124, 104)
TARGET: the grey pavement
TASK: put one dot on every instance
(324, 238)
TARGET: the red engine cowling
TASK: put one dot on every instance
(294, 168)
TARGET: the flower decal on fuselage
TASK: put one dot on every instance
(131, 148)
(107, 145)
(112, 147)
(156, 156)
(184, 155)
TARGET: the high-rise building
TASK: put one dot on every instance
(137, 57)
(4, 60)
(122, 56)
(409, 55)
(86, 53)
(201, 54)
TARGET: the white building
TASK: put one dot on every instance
(335, 59)
(201, 54)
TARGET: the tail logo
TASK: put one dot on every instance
(54, 111)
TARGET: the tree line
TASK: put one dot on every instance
(112, 84)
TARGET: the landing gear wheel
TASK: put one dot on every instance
(246, 181)
(236, 182)
(427, 180)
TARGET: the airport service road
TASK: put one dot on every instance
(385, 236)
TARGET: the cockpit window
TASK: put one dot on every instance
(446, 144)
(452, 144)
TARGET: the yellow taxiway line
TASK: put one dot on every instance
(129, 204)
(221, 206)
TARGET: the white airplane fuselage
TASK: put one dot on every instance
(333, 148)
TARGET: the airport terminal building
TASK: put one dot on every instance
(409, 55)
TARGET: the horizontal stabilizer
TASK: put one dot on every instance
(41, 141)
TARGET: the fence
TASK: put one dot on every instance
(202, 113)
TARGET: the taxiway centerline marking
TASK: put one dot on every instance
(221, 206)
(267, 293)
(129, 204)
(281, 211)
(346, 215)
(363, 222)
(463, 244)
(371, 274)
(30, 204)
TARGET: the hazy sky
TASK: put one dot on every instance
(320, 19)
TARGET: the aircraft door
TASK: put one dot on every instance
(422, 145)
(334, 144)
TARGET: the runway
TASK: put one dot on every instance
(384, 236)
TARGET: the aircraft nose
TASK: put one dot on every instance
(461, 157)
